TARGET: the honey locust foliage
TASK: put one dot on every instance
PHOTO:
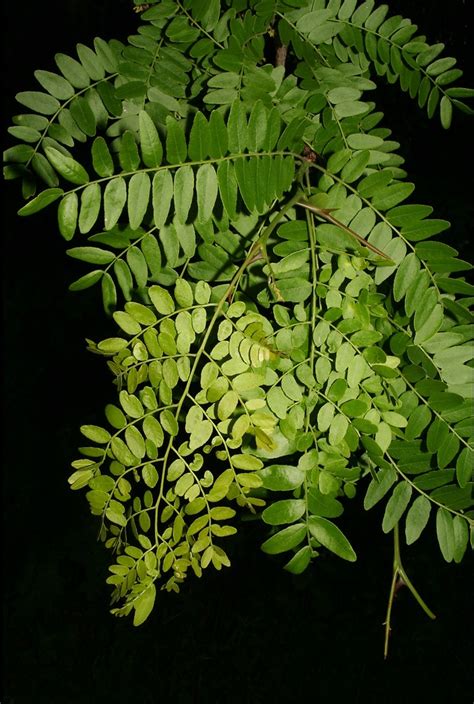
(290, 331)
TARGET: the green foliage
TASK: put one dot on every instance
(289, 331)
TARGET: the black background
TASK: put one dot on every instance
(252, 633)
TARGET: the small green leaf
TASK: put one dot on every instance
(92, 255)
(83, 116)
(184, 483)
(68, 168)
(183, 293)
(154, 432)
(96, 433)
(150, 475)
(343, 94)
(379, 486)
(129, 157)
(199, 138)
(72, 70)
(162, 195)
(91, 62)
(143, 605)
(221, 485)
(331, 537)
(80, 478)
(200, 434)
(152, 253)
(131, 405)
(417, 518)
(300, 561)
(169, 423)
(86, 281)
(19, 154)
(137, 263)
(227, 187)
(294, 289)
(392, 195)
(197, 525)
(354, 408)
(405, 276)
(278, 402)
(41, 201)
(247, 461)
(90, 207)
(281, 477)
(396, 505)
(206, 188)
(349, 108)
(445, 533)
(101, 158)
(127, 323)
(115, 197)
(142, 314)
(55, 85)
(227, 404)
(135, 441)
(219, 142)
(115, 517)
(222, 513)
(446, 112)
(237, 128)
(431, 326)
(176, 149)
(364, 141)
(338, 429)
(183, 192)
(150, 143)
(67, 215)
(285, 539)
(39, 102)
(44, 170)
(112, 345)
(138, 198)
(223, 531)
(461, 538)
(419, 419)
(285, 511)
(465, 466)
(115, 416)
(323, 504)
(161, 299)
(448, 450)
(124, 278)
(257, 126)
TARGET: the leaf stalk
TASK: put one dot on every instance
(400, 578)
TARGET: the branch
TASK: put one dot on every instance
(326, 214)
